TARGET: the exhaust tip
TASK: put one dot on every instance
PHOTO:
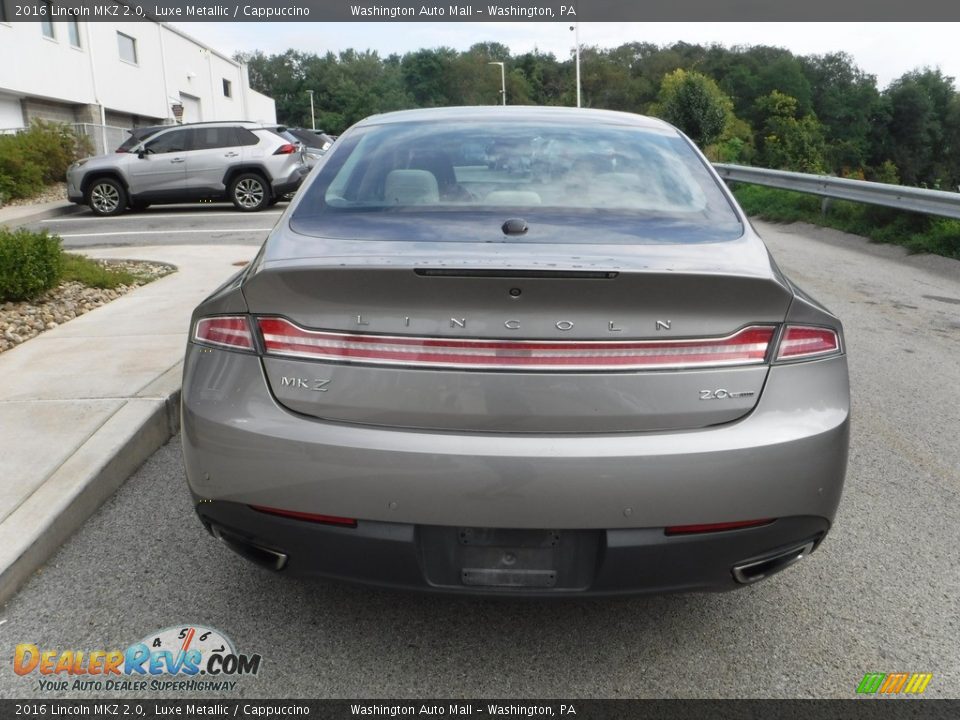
(754, 570)
(257, 554)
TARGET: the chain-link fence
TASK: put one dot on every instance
(103, 138)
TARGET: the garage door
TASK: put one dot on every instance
(191, 108)
(11, 117)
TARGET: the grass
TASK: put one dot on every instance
(918, 233)
(92, 274)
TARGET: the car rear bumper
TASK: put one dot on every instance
(785, 460)
(463, 560)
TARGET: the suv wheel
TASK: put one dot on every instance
(249, 192)
(106, 197)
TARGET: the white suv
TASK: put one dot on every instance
(246, 163)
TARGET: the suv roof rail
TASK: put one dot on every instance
(219, 122)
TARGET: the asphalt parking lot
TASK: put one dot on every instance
(206, 224)
(881, 595)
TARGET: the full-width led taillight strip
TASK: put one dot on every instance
(282, 337)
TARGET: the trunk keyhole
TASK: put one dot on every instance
(515, 226)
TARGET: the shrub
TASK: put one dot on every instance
(37, 157)
(916, 232)
(30, 262)
(19, 176)
(82, 269)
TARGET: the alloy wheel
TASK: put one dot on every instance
(249, 193)
(105, 198)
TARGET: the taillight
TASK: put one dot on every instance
(285, 149)
(224, 331)
(308, 517)
(715, 527)
(800, 342)
(745, 347)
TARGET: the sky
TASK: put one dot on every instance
(886, 50)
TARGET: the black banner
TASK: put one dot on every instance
(865, 709)
(477, 11)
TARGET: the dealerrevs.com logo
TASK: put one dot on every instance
(894, 683)
(185, 658)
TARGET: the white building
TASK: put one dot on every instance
(106, 77)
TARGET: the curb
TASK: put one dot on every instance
(87, 479)
(67, 208)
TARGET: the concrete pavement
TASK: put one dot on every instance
(85, 404)
(15, 215)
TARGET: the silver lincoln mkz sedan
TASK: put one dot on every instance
(533, 351)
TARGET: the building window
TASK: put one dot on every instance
(73, 31)
(46, 26)
(227, 88)
(128, 48)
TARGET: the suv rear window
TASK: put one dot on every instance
(649, 179)
(319, 140)
(211, 138)
(246, 137)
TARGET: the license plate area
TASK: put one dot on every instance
(507, 559)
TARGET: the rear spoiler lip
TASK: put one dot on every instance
(475, 264)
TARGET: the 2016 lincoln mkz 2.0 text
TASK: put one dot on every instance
(516, 351)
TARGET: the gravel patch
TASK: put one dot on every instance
(20, 321)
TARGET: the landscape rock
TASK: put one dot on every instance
(21, 321)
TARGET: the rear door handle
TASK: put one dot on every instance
(230, 154)
(177, 160)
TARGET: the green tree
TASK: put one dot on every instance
(430, 77)
(919, 109)
(786, 141)
(695, 104)
(845, 100)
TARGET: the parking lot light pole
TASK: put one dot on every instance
(503, 80)
(576, 31)
(313, 121)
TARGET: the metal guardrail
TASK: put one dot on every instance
(921, 200)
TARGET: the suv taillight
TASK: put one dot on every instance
(225, 331)
(285, 149)
(800, 342)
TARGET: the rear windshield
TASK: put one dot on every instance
(318, 140)
(626, 183)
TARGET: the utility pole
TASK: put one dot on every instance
(576, 31)
(313, 120)
(503, 80)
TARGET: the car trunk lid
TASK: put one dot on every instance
(517, 343)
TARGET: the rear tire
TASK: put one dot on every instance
(106, 197)
(249, 192)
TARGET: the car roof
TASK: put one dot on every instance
(248, 124)
(519, 113)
